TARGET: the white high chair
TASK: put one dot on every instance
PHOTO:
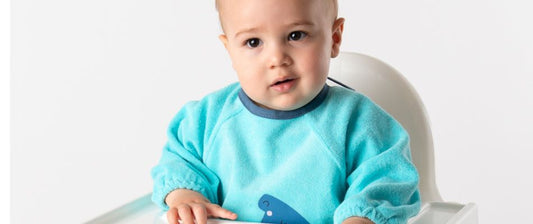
(389, 89)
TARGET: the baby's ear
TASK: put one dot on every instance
(338, 27)
(224, 40)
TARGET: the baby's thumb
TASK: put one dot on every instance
(215, 210)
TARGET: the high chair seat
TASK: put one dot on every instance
(390, 90)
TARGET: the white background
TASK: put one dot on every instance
(95, 83)
(5, 161)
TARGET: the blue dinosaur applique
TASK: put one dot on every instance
(276, 211)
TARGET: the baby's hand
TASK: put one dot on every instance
(357, 220)
(187, 206)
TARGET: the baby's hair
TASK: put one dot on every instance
(335, 6)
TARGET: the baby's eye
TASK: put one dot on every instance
(253, 42)
(297, 35)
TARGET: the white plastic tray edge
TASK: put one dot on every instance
(137, 206)
(143, 210)
(446, 213)
(467, 215)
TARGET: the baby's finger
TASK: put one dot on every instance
(215, 210)
(172, 216)
(200, 213)
(185, 214)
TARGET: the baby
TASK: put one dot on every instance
(281, 146)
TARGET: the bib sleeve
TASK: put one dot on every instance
(181, 164)
(382, 180)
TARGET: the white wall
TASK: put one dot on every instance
(95, 84)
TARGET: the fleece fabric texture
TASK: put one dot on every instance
(344, 157)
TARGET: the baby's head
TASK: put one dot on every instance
(281, 49)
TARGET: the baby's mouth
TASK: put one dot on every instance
(281, 82)
(284, 85)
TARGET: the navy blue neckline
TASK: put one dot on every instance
(282, 114)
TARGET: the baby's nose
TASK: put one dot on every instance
(278, 56)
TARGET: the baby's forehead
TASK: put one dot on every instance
(329, 5)
(320, 8)
(333, 2)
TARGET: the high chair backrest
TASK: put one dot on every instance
(392, 92)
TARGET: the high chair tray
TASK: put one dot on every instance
(143, 211)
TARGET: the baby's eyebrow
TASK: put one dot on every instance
(247, 30)
(301, 23)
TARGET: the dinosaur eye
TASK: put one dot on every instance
(269, 213)
(266, 203)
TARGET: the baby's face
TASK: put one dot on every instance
(280, 49)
